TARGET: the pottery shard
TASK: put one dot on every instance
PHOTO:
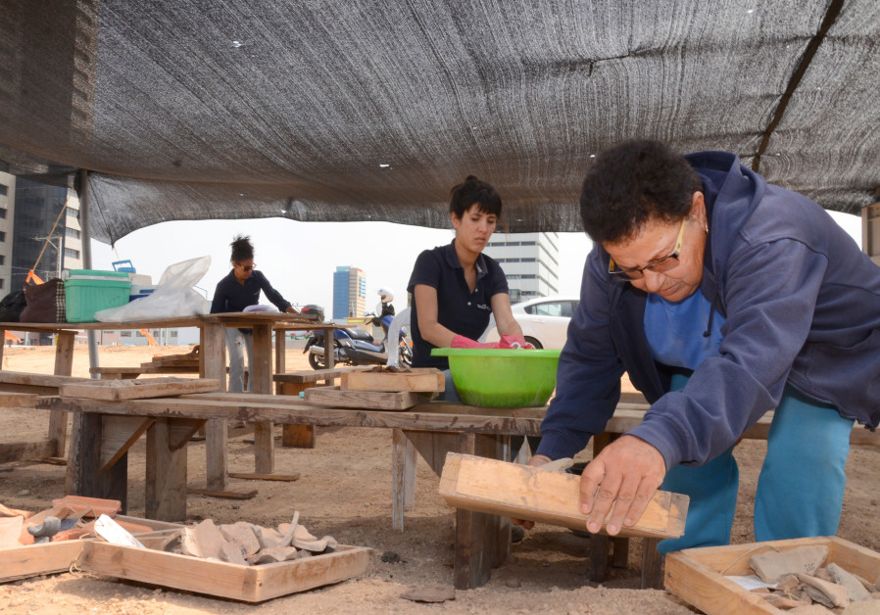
(771, 565)
(302, 539)
(851, 582)
(203, 540)
(830, 594)
(270, 538)
(272, 555)
(430, 593)
(783, 602)
(242, 534)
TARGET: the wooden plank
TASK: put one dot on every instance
(434, 446)
(84, 463)
(302, 412)
(482, 540)
(221, 579)
(287, 478)
(213, 365)
(367, 400)
(600, 546)
(403, 477)
(418, 380)
(17, 451)
(63, 367)
(261, 372)
(165, 474)
(296, 436)
(182, 432)
(652, 565)
(317, 375)
(17, 400)
(38, 380)
(120, 434)
(224, 494)
(697, 576)
(121, 390)
(523, 492)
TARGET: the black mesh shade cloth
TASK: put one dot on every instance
(372, 110)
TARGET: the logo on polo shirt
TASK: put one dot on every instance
(483, 306)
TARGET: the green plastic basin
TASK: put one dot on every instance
(502, 378)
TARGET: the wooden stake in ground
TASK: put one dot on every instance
(524, 492)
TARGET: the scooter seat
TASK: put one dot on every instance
(357, 334)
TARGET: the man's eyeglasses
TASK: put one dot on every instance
(658, 265)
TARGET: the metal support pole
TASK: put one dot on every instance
(87, 254)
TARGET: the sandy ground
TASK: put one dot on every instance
(345, 491)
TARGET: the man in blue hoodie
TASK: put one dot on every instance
(723, 297)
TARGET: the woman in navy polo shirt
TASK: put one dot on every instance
(456, 288)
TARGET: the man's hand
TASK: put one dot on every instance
(536, 460)
(622, 479)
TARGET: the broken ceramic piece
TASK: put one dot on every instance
(851, 582)
(275, 554)
(243, 534)
(203, 540)
(829, 594)
(771, 565)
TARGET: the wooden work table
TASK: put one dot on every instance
(212, 364)
(97, 462)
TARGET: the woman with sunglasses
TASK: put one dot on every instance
(238, 290)
(723, 297)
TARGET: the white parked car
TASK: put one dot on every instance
(544, 320)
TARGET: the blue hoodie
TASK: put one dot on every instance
(802, 307)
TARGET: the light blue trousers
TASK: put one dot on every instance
(236, 345)
(800, 488)
(450, 393)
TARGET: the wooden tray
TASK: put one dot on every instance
(522, 492)
(417, 380)
(33, 560)
(120, 390)
(221, 579)
(397, 401)
(697, 575)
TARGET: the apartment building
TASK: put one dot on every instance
(530, 261)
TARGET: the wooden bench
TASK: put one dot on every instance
(294, 383)
(129, 373)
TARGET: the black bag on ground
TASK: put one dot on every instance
(11, 306)
(45, 302)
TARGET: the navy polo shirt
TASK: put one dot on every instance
(459, 310)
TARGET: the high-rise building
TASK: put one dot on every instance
(7, 219)
(349, 292)
(37, 206)
(530, 261)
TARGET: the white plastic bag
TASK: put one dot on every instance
(174, 296)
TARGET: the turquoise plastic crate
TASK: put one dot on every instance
(87, 291)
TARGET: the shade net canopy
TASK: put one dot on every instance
(322, 110)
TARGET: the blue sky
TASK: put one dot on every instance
(299, 257)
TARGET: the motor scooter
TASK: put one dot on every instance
(357, 347)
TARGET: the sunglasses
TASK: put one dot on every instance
(658, 265)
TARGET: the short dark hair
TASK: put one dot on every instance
(473, 191)
(242, 249)
(633, 182)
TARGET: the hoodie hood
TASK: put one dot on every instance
(726, 180)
